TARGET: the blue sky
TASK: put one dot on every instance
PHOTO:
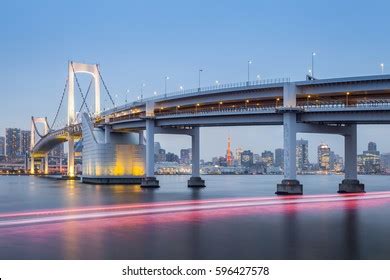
(139, 42)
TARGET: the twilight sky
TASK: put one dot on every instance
(139, 42)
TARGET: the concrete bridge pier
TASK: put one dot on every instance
(32, 165)
(46, 164)
(351, 184)
(289, 185)
(196, 181)
(150, 181)
(71, 172)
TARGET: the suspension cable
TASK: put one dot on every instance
(79, 87)
(36, 129)
(105, 86)
(59, 107)
(86, 95)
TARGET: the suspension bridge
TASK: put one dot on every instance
(118, 144)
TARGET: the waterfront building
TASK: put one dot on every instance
(385, 162)
(58, 151)
(171, 157)
(186, 156)
(25, 142)
(323, 153)
(157, 147)
(302, 151)
(267, 158)
(279, 157)
(247, 158)
(257, 158)
(336, 162)
(238, 153)
(12, 145)
(2, 146)
(369, 161)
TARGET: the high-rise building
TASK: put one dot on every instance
(369, 162)
(336, 162)
(302, 150)
(323, 157)
(372, 148)
(157, 147)
(247, 158)
(2, 146)
(267, 158)
(239, 151)
(57, 151)
(25, 141)
(12, 142)
(256, 158)
(186, 156)
(171, 157)
(161, 156)
(385, 162)
(279, 157)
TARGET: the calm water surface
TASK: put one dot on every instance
(350, 229)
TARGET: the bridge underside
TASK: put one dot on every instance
(45, 146)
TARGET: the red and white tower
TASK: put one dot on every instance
(229, 157)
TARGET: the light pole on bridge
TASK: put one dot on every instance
(165, 89)
(200, 71)
(127, 93)
(382, 67)
(142, 90)
(346, 98)
(313, 54)
(249, 63)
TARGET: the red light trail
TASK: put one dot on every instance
(62, 215)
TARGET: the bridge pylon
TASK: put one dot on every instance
(73, 68)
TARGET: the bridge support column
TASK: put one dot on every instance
(196, 181)
(351, 184)
(71, 157)
(46, 166)
(289, 185)
(32, 165)
(107, 134)
(150, 181)
(141, 138)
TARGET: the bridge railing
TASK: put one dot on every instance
(219, 87)
(337, 104)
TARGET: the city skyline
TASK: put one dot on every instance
(41, 64)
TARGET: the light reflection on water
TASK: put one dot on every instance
(328, 230)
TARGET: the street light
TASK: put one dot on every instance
(127, 93)
(219, 105)
(142, 90)
(307, 100)
(249, 63)
(200, 71)
(313, 54)
(246, 103)
(196, 107)
(277, 101)
(346, 98)
(165, 91)
(258, 77)
(181, 87)
(382, 67)
(177, 108)
(217, 82)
